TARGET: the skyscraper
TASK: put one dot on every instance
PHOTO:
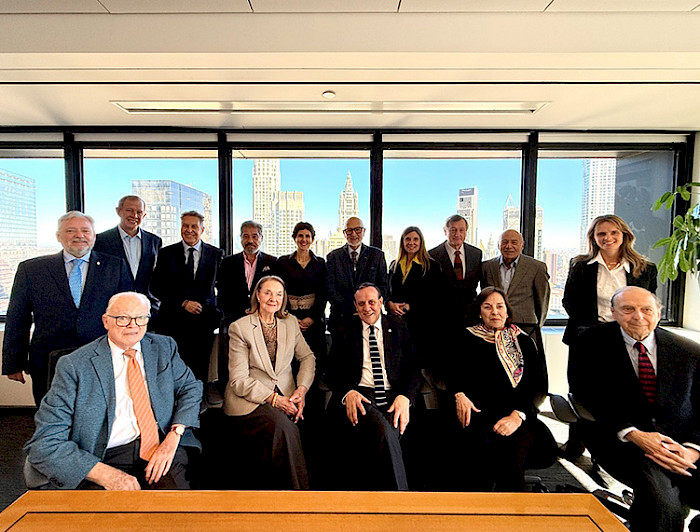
(288, 210)
(266, 183)
(468, 206)
(348, 203)
(18, 231)
(598, 193)
(511, 220)
(166, 200)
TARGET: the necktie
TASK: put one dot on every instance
(647, 377)
(458, 266)
(353, 255)
(190, 262)
(75, 281)
(379, 391)
(142, 406)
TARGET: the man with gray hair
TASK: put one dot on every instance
(64, 295)
(184, 282)
(119, 411)
(137, 247)
(642, 385)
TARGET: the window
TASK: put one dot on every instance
(424, 192)
(278, 193)
(168, 185)
(574, 189)
(32, 198)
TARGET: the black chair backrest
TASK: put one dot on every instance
(53, 360)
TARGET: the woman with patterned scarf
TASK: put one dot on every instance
(494, 379)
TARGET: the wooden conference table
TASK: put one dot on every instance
(281, 511)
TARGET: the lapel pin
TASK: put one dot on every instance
(98, 263)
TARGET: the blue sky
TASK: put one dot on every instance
(416, 192)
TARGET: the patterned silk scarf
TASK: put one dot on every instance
(507, 347)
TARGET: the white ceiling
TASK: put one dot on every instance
(597, 64)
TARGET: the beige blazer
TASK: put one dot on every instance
(251, 376)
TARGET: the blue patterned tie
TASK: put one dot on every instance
(75, 281)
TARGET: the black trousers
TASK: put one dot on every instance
(126, 458)
(662, 499)
(269, 455)
(369, 454)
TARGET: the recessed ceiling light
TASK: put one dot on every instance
(329, 95)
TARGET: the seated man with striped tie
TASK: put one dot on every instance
(374, 377)
(642, 385)
(119, 410)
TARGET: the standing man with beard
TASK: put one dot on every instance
(64, 295)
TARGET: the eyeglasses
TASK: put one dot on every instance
(125, 321)
(356, 230)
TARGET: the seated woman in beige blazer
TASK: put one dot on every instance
(262, 399)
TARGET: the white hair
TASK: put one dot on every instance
(142, 299)
(74, 214)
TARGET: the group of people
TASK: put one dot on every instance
(121, 408)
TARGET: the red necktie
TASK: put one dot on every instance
(142, 406)
(458, 267)
(647, 377)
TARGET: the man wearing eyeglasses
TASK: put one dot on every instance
(348, 267)
(119, 410)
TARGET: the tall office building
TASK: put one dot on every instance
(288, 210)
(166, 200)
(468, 206)
(598, 193)
(18, 230)
(511, 220)
(348, 204)
(266, 183)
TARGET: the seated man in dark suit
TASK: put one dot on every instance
(184, 282)
(64, 295)
(461, 265)
(348, 267)
(101, 425)
(374, 377)
(642, 385)
(137, 247)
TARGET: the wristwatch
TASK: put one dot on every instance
(178, 429)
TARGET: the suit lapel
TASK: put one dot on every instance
(94, 272)
(204, 259)
(448, 267)
(117, 246)
(57, 270)
(664, 366)
(494, 268)
(102, 362)
(282, 342)
(520, 270)
(387, 339)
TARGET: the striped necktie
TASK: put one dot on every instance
(75, 281)
(142, 406)
(379, 391)
(647, 377)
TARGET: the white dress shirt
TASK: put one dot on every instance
(197, 253)
(125, 429)
(609, 281)
(451, 254)
(132, 249)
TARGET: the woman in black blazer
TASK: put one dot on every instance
(611, 263)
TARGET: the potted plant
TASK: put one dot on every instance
(683, 246)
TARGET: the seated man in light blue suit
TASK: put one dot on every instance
(88, 431)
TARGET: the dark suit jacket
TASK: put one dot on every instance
(342, 280)
(231, 285)
(110, 242)
(462, 293)
(399, 358)
(528, 292)
(41, 294)
(173, 285)
(581, 295)
(75, 418)
(604, 381)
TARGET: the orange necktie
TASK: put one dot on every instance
(142, 407)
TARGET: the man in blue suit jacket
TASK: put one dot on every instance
(87, 431)
(65, 304)
(137, 247)
(348, 267)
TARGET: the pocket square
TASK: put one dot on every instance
(266, 268)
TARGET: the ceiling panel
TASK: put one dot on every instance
(325, 6)
(622, 5)
(50, 6)
(473, 6)
(177, 6)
